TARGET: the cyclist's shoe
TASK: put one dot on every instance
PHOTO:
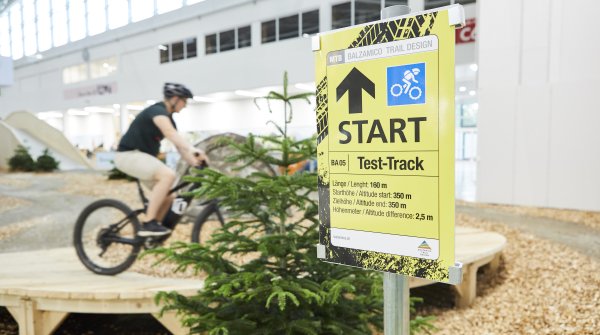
(153, 228)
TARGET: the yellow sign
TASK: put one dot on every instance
(385, 120)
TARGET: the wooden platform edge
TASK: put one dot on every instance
(466, 291)
(42, 316)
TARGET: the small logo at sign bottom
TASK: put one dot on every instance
(424, 249)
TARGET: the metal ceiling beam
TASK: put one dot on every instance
(5, 4)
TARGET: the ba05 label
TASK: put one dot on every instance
(406, 84)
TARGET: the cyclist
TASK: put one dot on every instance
(140, 145)
(410, 76)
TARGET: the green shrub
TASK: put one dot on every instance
(46, 162)
(281, 287)
(22, 160)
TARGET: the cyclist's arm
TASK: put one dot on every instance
(185, 149)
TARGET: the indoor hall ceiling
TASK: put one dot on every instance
(4, 4)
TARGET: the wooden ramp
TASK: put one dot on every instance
(40, 288)
(474, 249)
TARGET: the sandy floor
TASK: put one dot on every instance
(542, 287)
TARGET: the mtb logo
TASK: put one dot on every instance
(406, 84)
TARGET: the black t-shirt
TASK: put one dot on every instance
(143, 134)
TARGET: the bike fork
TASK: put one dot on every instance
(219, 215)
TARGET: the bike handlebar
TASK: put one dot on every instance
(203, 164)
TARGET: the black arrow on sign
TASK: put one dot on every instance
(354, 83)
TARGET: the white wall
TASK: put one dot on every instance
(538, 114)
(89, 132)
(243, 117)
(6, 71)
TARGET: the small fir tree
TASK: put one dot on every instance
(263, 276)
(46, 162)
(21, 160)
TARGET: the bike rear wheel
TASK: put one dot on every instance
(209, 220)
(105, 237)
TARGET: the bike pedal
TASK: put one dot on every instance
(151, 243)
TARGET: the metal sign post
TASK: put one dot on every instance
(396, 304)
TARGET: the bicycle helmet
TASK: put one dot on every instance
(176, 90)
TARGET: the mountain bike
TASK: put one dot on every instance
(105, 235)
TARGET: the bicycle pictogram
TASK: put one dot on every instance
(406, 84)
(414, 92)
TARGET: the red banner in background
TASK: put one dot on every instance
(468, 33)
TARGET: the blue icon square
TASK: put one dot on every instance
(406, 84)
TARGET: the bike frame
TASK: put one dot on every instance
(212, 204)
(171, 191)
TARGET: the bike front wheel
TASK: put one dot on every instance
(209, 220)
(105, 237)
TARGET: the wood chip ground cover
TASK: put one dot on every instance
(541, 287)
(6, 232)
(8, 203)
(590, 219)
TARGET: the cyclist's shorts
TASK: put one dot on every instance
(139, 165)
